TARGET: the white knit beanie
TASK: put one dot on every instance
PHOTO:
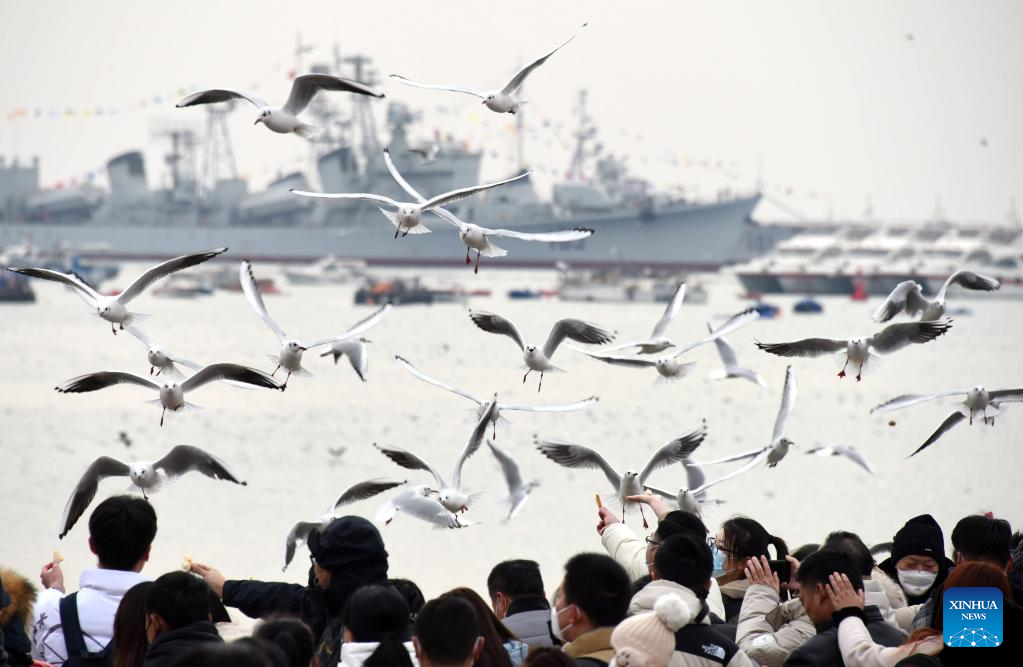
(648, 640)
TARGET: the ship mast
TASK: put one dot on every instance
(583, 133)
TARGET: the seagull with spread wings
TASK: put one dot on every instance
(908, 297)
(629, 483)
(848, 451)
(536, 358)
(478, 238)
(300, 532)
(114, 309)
(284, 119)
(978, 399)
(408, 218)
(503, 100)
(481, 405)
(160, 357)
(172, 393)
(862, 352)
(518, 491)
(147, 476)
(731, 369)
(355, 349)
(452, 496)
(692, 497)
(658, 340)
(290, 356)
(421, 502)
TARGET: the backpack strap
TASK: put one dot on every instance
(71, 627)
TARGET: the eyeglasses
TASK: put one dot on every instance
(651, 542)
(713, 544)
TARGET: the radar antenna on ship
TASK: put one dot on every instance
(585, 132)
(217, 152)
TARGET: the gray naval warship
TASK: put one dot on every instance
(207, 205)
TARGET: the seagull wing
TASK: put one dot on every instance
(674, 305)
(407, 365)
(577, 330)
(255, 297)
(235, 372)
(737, 457)
(367, 489)
(163, 270)
(426, 508)
(856, 458)
(695, 476)
(734, 322)
(215, 95)
(359, 327)
(1006, 395)
(297, 536)
(496, 324)
(562, 236)
(757, 460)
(407, 459)
(362, 196)
(945, 427)
(788, 403)
(896, 301)
(512, 476)
(82, 289)
(401, 179)
(85, 490)
(185, 458)
(517, 80)
(897, 336)
(102, 380)
(673, 452)
(570, 407)
(463, 193)
(725, 351)
(630, 362)
(969, 280)
(906, 400)
(577, 456)
(916, 302)
(305, 87)
(808, 347)
(358, 355)
(472, 445)
(141, 335)
(433, 86)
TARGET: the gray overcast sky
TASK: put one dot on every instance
(829, 98)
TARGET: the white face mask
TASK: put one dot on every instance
(917, 582)
(556, 628)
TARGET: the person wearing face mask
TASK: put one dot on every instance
(592, 599)
(636, 554)
(738, 540)
(518, 599)
(918, 563)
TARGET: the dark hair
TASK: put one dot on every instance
(130, 641)
(745, 538)
(680, 521)
(380, 614)
(685, 560)
(245, 652)
(412, 595)
(852, 546)
(447, 629)
(977, 537)
(493, 631)
(639, 584)
(291, 636)
(598, 586)
(801, 552)
(820, 565)
(516, 579)
(548, 656)
(121, 529)
(179, 598)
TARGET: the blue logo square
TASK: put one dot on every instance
(972, 617)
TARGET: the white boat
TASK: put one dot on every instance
(327, 271)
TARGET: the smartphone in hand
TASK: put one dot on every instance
(782, 568)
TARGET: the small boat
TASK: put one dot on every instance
(401, 291)
(327, 271)
(766, 310)
(185, 286)
(808, 306)
(524, 294)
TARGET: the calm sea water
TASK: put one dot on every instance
(279, 442)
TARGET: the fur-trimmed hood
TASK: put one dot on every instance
(22, 593)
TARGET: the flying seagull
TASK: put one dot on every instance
(451, 496)
(172, 393)
(147, 476)
(299, 533)
(481, 405)
(408, 218)
(290, 357)
(668, 368)
(908, 297)
(732, 368)
(503, 100)
(848, 451)
(160, 358)
(979, 399)
(692, 497)
(629, 483)
(114, 309)
(284, 119)
(658, 340)
(862, 352)
(539, 359)
(518, 491)
(421, 502)
(355, 350)
(478, 238)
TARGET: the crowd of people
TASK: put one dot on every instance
(683, 595)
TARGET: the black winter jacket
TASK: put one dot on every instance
(169, 646)
(822, 649)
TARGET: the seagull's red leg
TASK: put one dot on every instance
(276, 369)
(526, 375)
(645, 524)
(467, 260)
(859, 374)
(540, 386)
(841, 373)
(477, 269)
